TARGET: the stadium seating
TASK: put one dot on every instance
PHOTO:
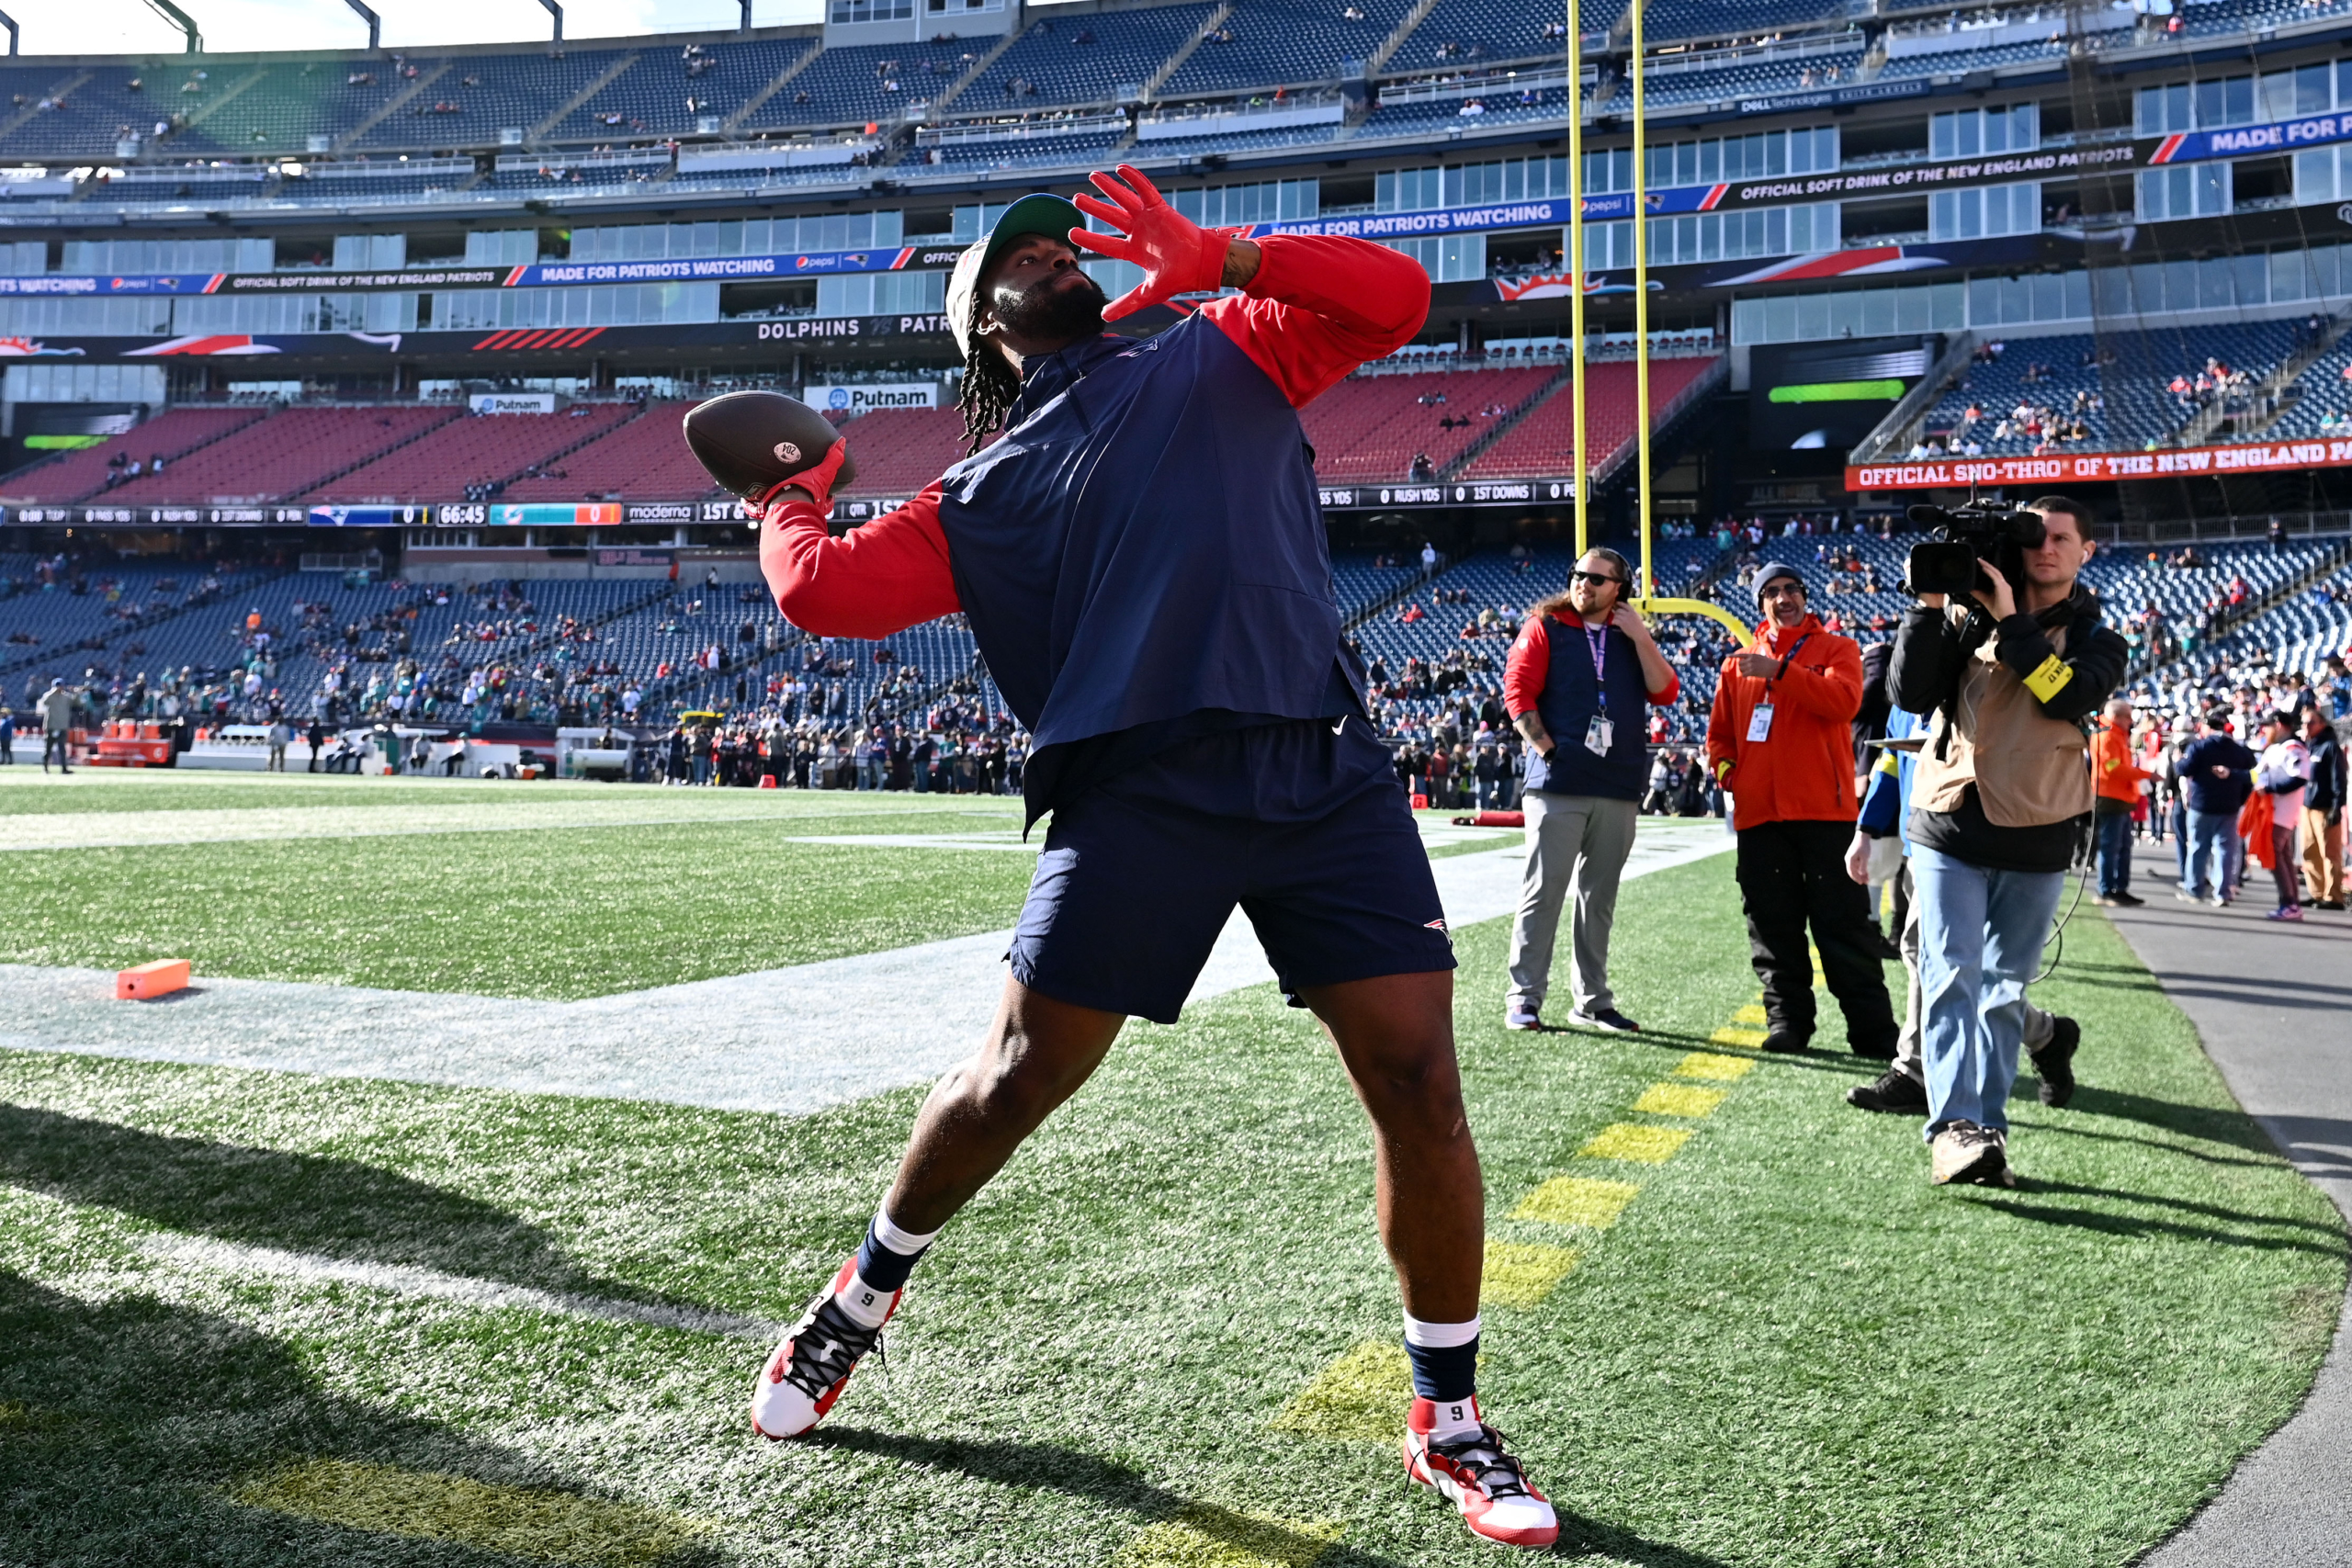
(868, 82)
(898, 451)
(117, 606)
(1372, 427)
(293, 101)
(490, 92)
(480, 449)
(1505, 106)
(1959, 61)
(1468, 32)
(644, 460)
(2138, 410)
(1227, 142)
(1544, 443)
(2322, 390)
(84, 120)
(1499, 583)
(653, 90)
(1284, 42)
(171, 434)
(1787, 74)
(1036, 152)
(1678, 21)
(285, 455)
(1084, 59)
(2304, 629)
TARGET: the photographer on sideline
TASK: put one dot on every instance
(1781, 740)
(1577, 684)
(2012, 676)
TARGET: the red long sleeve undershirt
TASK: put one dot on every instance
(1318, 307)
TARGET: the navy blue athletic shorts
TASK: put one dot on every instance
(1306, 829)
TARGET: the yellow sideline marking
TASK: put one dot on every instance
(1627, 1140)
(1727, 1036)
(1716, 1067)
(1752, 1013)
(1577, 1201)
(1365, 1394)
(1202, 1534)
(537, 1522)
(1519, 1275)
(1679, 1099)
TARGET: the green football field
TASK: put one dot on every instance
(265, 1317)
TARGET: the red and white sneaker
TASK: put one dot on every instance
(1481, 1478)
(812, 1366)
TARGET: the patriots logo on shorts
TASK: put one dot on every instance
(1434, 925)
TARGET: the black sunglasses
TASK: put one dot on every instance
(1593, 577)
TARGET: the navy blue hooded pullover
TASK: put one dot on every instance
(1141, 555)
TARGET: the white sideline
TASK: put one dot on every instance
(788, 1041)
(241, 1261)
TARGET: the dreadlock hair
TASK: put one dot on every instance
(989, 382)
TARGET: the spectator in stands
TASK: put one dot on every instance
(2117, 778)
(1780, 741)
(2002, 789)
(1577, 698)
(2216, 773)
(2323, 824)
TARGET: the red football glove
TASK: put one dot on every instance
(817, 481)
(1177, 256)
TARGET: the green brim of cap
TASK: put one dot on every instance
(1036, 213)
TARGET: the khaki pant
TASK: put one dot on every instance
(1575, 843)
(2323, 858)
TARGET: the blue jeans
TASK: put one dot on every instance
(2115, 853)
(2211, 834)
(1981, 934)
(2179, 815)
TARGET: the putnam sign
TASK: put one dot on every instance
(2075, 467)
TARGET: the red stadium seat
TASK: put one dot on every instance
(286, 455)
(475, 450)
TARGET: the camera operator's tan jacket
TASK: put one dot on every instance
(2030, 770)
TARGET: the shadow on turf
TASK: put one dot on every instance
(124, 1423)
(2038, 1186)
(2134, 1226)
(295, 1202)
(1025, 1465)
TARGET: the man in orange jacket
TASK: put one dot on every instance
(2117, 779)
(1780, 741)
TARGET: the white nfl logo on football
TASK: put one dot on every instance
(786, 452)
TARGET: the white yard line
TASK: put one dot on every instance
(98, 829)
(788, 1041)
(242, 1262)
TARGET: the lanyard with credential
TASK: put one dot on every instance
(1759, 718)
(1602, 733)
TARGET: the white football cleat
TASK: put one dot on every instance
(812, 1366)
(1479, 1476)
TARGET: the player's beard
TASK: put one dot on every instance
(1048, 309)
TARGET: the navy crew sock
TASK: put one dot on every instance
(1445, 1372)
(885, 1259)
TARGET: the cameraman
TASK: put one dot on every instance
(2012, 676)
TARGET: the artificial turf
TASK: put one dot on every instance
(556, 912)
(1787, 1349)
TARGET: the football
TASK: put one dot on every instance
(751, 442)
